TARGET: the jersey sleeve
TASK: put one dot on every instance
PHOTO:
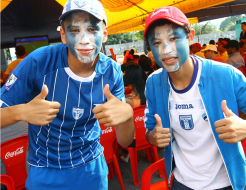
(119, 90)
(149, 121)
(19, 84)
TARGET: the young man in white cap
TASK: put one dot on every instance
(84, 87)
(188, 109)
(211, 52)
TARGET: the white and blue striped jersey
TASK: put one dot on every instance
(73, 137)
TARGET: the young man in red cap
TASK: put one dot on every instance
(222, 51)
(196, 50)
(190, 109)
(69, 88)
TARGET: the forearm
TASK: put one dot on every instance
(11, 115)
(125, 132)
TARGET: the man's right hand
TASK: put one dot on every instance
(40, 111)
(159, 136)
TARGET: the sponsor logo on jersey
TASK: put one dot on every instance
(205, 117)
(140, 118)
(81, 3)
(14, 153)
(107, 130)
(78, 113)
(11, 81)
(184, 106)
(186, 122)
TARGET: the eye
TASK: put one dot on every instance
(174, 38)
(74, 30)
(156, 43)
(92, 30)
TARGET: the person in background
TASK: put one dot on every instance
(241, 49)
(191, 109)
(243, 33)
(204, 46)
(145, 63)
(20, 53)
(69, 88)
(211, 52)
(196, 49)
(212, 42)
(136, 78)
(222, 51)
(235, 59)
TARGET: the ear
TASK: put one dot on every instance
(63, 36)
(105, 34)
(191, 36)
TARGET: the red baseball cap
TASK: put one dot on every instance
(197, 45)
(170, 13)
(223, 42)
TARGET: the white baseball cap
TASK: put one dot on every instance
(93, 7)
(210, 47)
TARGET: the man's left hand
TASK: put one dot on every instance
(113, 112)
(232, 128)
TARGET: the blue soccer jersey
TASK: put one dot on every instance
(73, 137)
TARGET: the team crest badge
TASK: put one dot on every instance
(77, 113)
(81, 3)
(186, 122)
(11, 81)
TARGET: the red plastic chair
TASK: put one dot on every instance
(141, 143)
(13, 154)
(243, 70)
(8, 182)
(146, 177)
(108, 139)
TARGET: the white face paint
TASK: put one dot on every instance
(169, 46)
(84, 36)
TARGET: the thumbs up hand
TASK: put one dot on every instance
(40, 111)
(159, 136)
(113, 112)
(231, 129)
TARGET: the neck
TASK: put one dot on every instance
(222, 51)
(21, 57)
(182, 78)
(79, 68)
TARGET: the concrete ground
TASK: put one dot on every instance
(126, 172)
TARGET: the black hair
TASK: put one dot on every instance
(145, 63)
(212, 42)
(20, 50)
(135, 76)
(161, 23)
(241, 44)
(132, 51)
(244, 23)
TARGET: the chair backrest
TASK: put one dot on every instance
(140, 129)
(8, 182)
(146, 177)
(107, 140)
(13, 155)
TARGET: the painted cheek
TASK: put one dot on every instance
(182, 48)
(71, 42)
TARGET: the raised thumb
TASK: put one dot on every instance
(43, 93)
(226, 110)
(107, 93)
(158, 120)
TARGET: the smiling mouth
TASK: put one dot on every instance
(169, 60)
(85, 51)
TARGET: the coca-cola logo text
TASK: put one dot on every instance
(108, 130)
(139, 118)
(14, 153)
